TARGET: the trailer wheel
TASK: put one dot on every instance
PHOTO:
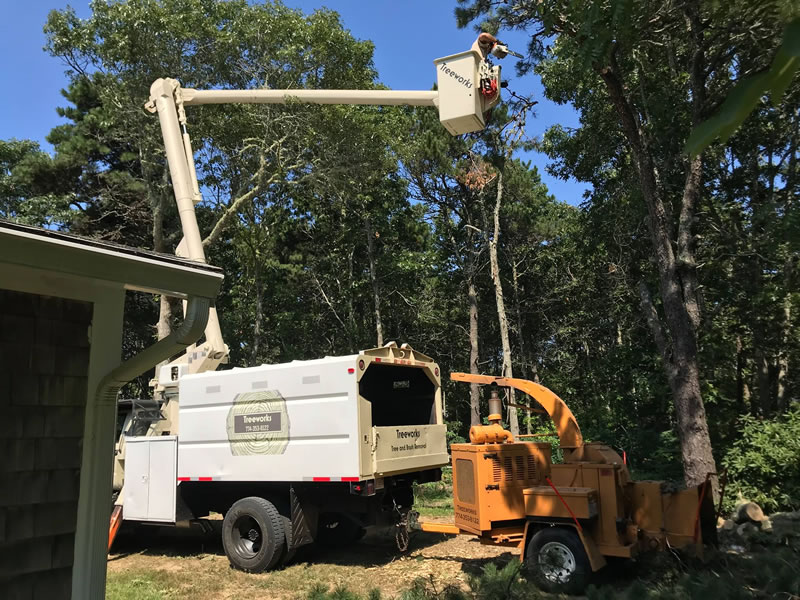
(557, 560)
(253, 535)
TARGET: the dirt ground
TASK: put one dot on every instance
(190, 564)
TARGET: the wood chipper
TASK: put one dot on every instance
(565, 518)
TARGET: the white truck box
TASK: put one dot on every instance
(346, 418)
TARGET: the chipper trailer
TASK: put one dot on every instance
(299, 452)
(566, 519)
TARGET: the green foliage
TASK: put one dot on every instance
(746, 94)
(763, 463)
(27, 195)
(654, 576)
(321, 592)
(453, 436)
(353, 208)
(546, 432)
(764, 574)
(614, 60)
(435, 499)
(493, 583)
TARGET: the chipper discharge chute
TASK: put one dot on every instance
(565, 518)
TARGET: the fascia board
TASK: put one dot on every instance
(135, 272)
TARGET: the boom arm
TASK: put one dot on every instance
(468, 86)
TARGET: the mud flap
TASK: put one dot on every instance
(301, 533)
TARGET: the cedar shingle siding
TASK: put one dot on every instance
(44, 362)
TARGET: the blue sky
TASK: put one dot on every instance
(407, 34)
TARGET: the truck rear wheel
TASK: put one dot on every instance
(287, 556)
(557, 560)
(253, 535)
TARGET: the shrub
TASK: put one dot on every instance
(546, 432)
(493, 583)
(764, 463)
(453, 436)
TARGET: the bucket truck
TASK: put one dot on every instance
(298, 452)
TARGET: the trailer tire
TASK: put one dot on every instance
(557, 560)
(253, 535)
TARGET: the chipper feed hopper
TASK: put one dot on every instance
(566, 518)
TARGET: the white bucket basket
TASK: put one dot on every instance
(460, 102)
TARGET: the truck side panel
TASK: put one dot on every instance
(290, 422)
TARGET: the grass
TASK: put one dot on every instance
(146, 585)
(157, 584)
(435, 499)
(657, 577)
(769, 571)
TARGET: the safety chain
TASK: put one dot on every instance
(401, 536)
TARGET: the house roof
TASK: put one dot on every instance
(132, 268)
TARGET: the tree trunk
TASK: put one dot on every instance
(351, 315)
(763, 383)
(520, 335)
(164, 326)
(474, 394)
(373, 275)
(254, 360)
(748, 512)
(742, 391)
(501, 307)
(677, 280)
(783, 359)
(781, 402)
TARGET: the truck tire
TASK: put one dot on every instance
(287, 556)
(252, 535)
(557, 560)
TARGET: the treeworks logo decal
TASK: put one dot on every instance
(465, 81)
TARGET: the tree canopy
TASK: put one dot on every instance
(662, 309)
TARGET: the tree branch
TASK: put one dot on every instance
(653, 321)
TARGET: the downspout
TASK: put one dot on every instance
(188, 333)
(194, 322)
(91, 536)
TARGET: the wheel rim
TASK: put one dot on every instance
(556, 562)
(247, 536)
